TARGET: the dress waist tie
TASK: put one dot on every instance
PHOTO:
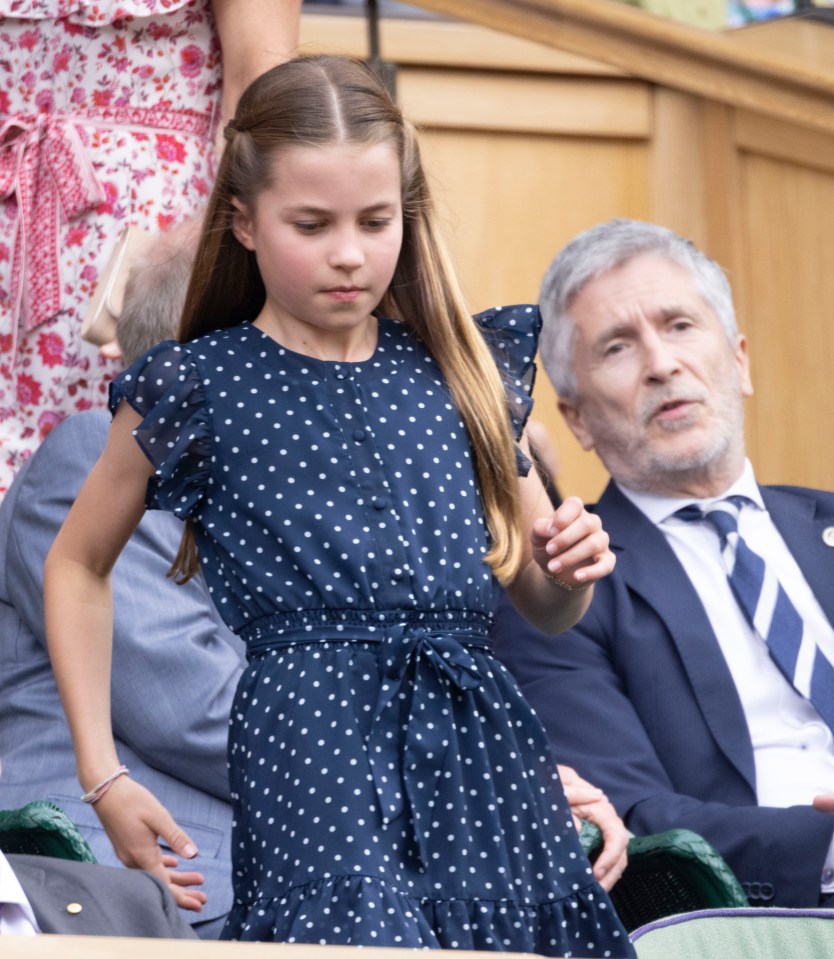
(44, 165)
(423, 664)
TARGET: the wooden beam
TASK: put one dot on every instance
(717, 66)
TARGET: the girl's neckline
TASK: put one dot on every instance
(275, 344)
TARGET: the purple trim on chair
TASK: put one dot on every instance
(778, 911)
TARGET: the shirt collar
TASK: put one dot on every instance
(12, 892)
(660, 508)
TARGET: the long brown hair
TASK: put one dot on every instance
(319, 101)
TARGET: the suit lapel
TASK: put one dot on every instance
(649, 567)
(803, 518)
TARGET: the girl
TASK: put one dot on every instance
(335, 430)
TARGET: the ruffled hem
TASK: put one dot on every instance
(166, 390)
(365, 911)
(87, 13)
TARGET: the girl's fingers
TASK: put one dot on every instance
(584, 526)
(572, 545)
(590, 556)
(186, 879)
(547, 527)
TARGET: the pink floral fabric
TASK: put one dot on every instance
(107, 115)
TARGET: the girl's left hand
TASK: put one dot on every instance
(571, 546)
(589, 803)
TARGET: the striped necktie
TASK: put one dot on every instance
(765, 604)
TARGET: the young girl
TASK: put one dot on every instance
(335, 429)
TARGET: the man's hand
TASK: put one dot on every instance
(591, 804)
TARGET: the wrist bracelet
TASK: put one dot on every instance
(562, 585)
(101, 788)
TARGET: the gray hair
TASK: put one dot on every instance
(155, 292)
(600, 250)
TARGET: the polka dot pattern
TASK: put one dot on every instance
(390, 784)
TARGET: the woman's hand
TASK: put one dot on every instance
(571, 547)
(135, 820)
(591, 804)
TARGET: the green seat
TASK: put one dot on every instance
(763, 933)
(42, 829)
(668, 873)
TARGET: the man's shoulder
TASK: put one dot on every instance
(89, 425)
(823, 498)
(26, 865)
(112, 900)
(79, 439)
(60, 463)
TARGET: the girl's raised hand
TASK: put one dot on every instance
(135, 820)
(571, 547)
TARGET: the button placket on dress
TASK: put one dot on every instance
(389, 566)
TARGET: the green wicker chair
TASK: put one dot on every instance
(42, 829)
(760, 932)
(668, 873)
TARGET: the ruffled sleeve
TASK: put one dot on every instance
(165, 388)
(512, 334)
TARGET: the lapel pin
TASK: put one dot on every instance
(73, 908)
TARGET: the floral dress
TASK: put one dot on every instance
(106, 119)
(390, 784)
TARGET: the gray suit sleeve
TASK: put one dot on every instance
(175, 664)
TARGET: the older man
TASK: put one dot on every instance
(697, 691)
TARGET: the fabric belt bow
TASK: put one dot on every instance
(43, 163)
(413, 724)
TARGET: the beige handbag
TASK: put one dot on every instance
(99, 324)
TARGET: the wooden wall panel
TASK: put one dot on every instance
(788, 211)
(540, 191)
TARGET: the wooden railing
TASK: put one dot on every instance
(106, 947)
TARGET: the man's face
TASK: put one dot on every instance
(660, 387)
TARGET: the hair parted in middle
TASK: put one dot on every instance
(323, 101)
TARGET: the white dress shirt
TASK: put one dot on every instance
(16, 915)
(793, 748)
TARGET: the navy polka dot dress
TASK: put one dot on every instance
(390, 784)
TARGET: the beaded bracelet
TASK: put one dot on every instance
(101, 788)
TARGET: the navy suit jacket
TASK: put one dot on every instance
(175, 669)
(638, 698)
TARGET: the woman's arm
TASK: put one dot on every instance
(254, 36)
(78, 611)
(566, 551)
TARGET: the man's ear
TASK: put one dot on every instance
(242, 225)
(743, 365)
(573, 417)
